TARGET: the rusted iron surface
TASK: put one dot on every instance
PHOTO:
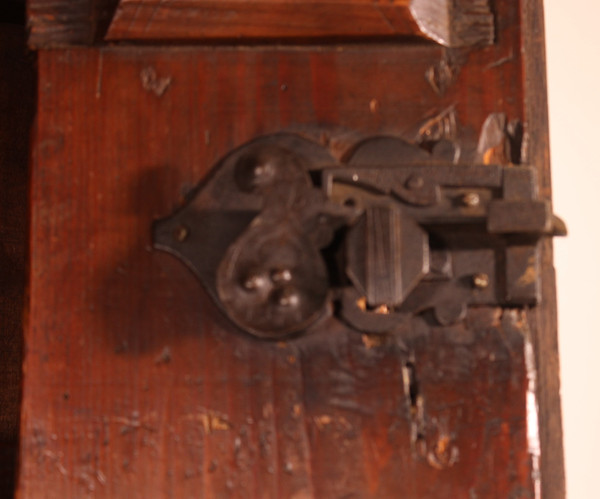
(390, 232)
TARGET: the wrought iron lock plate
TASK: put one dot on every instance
(282, 234)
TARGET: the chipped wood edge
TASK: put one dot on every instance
(543, 318)
(455, 23)
(65, 23)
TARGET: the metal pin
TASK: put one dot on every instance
(254, 282)
(471, 199)
(288, 297)
(281, 275)
(382, 309)
(481, 281)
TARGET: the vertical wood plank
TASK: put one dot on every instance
(545, 334)
(136, 385)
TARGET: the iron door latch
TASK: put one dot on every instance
(281, 234)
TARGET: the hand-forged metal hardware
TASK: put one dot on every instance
(281, 234)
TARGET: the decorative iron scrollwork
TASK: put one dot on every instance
(281, 234)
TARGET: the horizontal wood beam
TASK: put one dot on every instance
(201, 19)
(447, 22)
(453, 23)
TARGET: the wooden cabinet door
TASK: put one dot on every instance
(136, 383)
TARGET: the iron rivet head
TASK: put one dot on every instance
(261, 170)
(287, 297)
(181, 233)
(255, 171)
(254, 282)
(481, 281)
(382, 309)
(281, 275)
(415, 182)
(471, 199)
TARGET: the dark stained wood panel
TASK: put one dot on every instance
(136, 381)
(136, 385)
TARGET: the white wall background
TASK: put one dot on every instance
(573, 58)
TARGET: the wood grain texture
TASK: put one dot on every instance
(137, 386)
(17, 106)
(67, 22)
(206, 19)
(450, 23)
(84, 22)
(545, 334)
